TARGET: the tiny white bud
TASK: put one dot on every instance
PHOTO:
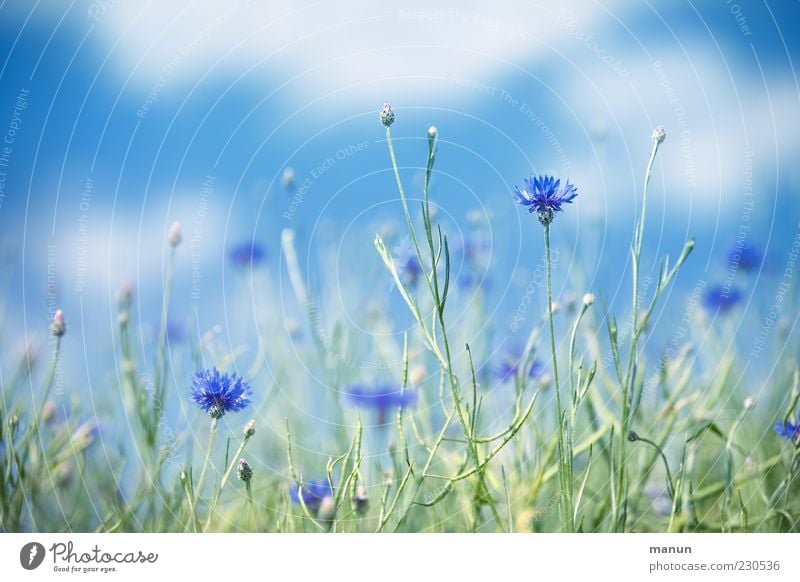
(433, 132)
(554, 307)
(659, 134)
(58, 327)
(250, 429)
(174, 236)
(588, 299)
(416, 376)
(749, 402)
(288, 177)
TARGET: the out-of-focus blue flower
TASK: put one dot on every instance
(382, 397)
(247, 254)
(789, 431)
(745, 256)
(219, 393)
(544, 195)
(406, 262)
(313, 492)
(509, 368)
(718, 298)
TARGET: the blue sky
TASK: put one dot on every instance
(121, 112)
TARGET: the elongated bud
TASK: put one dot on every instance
(360, 500)
(386, 114)
(250, 429)
(327, 509)
(174, 236)
(58, 327)
(288, 177)
(245, 471)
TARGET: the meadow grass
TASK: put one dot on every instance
(592, 435)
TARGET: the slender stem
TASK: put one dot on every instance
(34, 431)
(211, 437)
(234, 460)
(563, 462)
(626, 387)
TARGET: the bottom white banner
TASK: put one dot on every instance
(387, 558)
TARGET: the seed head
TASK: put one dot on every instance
(245, 471)
(659, 134)
(588, 299)
(386, 115)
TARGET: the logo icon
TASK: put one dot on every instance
(31, 555)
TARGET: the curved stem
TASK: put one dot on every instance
(211, 437)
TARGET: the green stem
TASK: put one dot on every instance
(234, 460)
(212, 434)
(563, 462)
(636, 252)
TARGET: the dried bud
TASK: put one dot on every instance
(58, 327)
(174, 236)
(360, 500)
(659, 134)
(245, 471)
(386, 115)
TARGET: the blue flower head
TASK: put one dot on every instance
(544, 195)
(746, 257)
(381, 398)
(406, 262)
(247, 254)
(508, 370)
(789, 431)
(312, 493)
(219, 393)
(718, 298)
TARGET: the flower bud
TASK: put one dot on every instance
(288, 177)
(327, 509)
(659, 134)
(360, 500)
(588, 299)
(433, 133)
(174, 236)
(386, 114)
(58, 327)
(250, 429)
(245, 471)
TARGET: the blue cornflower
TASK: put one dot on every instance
(313, 492)
(219, 393)
(544, 195)
(381, 398)
(789, 431)
(746, 256)
(247, 254)
(406, 262)
(718, 298)
(508, 370)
